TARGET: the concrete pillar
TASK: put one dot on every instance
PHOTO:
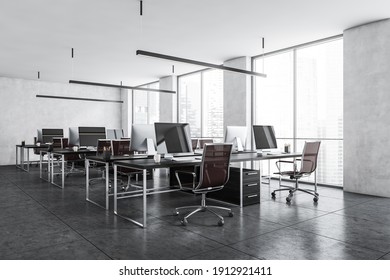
(168, 101)
(367, 109)
(237, 95)
(127, 111)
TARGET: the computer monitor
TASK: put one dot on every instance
(264, 137)
(45, 135)
(143, 138)
(89, 136)
(74, 136)
(173, 138)
(110, 134)
(237, 136)
(118, 133)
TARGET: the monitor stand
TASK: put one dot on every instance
(238, 143)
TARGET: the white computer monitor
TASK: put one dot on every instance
(143, 138)
(236, 135)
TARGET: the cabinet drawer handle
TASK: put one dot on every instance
(251, 173)
(251, 185)
(253, 195)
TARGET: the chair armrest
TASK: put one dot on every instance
(278, 164)
(185, 172)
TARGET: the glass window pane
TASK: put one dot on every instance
(212, 104)
(330, 162)
(320, 91)
(190, 102)
(274, 94)
(146, 106)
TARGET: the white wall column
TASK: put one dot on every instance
(367, 109)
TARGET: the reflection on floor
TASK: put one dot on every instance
(39, 221)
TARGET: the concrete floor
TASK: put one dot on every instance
(40, 221)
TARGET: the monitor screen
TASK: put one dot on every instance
(110, 134)
(74, 136)
(139, 135)
(46, 134)
(173, 137)
(89, 136)
(264, 137)
(234, 134)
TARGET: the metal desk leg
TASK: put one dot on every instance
(63, 171)
(144, 197)
(51, 160)
(86, 179)
(115, 191)
(107, 185)
(16, 157)
(22, 158)
(241, 184)
(28, 160)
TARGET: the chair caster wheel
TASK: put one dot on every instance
(184, 222)
(231, 214)
(176, 213)
(315, 199)
(273, 195)
(220, 223)
(288, 199)
(290, 191)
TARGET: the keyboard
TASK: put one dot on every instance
(186, 158)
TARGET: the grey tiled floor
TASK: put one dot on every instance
(40, 221)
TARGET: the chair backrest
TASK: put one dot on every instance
(121, 147)
(194, 142)
(57, 143)
(214, 170)
(309, 157)
(102, 145)
(204, 141)
(64, 143)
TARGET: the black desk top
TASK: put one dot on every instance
(118, 158)
(33, 146)
(239, 157)
(71, 152)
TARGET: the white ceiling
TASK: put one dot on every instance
(105, 34)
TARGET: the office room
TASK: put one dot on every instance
(194, 130)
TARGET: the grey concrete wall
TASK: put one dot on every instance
(22, 113)
(237, 95)
(367, 109)
(168, 101)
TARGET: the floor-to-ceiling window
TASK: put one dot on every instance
(201, 103)
(146, 105)
(302, 97)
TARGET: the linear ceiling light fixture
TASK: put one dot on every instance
(119, 86)
(77, 98)
(201, 63)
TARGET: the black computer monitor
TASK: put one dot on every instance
(264, 137)
(174, 137)
(89, 136)
(45, 135)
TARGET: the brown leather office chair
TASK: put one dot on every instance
(307, 167)
(204, 141)
(120, 148)
(194, 143)
(214, 174)
(103, 146)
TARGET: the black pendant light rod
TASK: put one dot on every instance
(201, 63)
(119, 86)
(77, 98)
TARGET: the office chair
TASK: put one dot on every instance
(103, 145)
(120, 148)
(204, 141)
(307, 167)
(214, 174)
(194, 143)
